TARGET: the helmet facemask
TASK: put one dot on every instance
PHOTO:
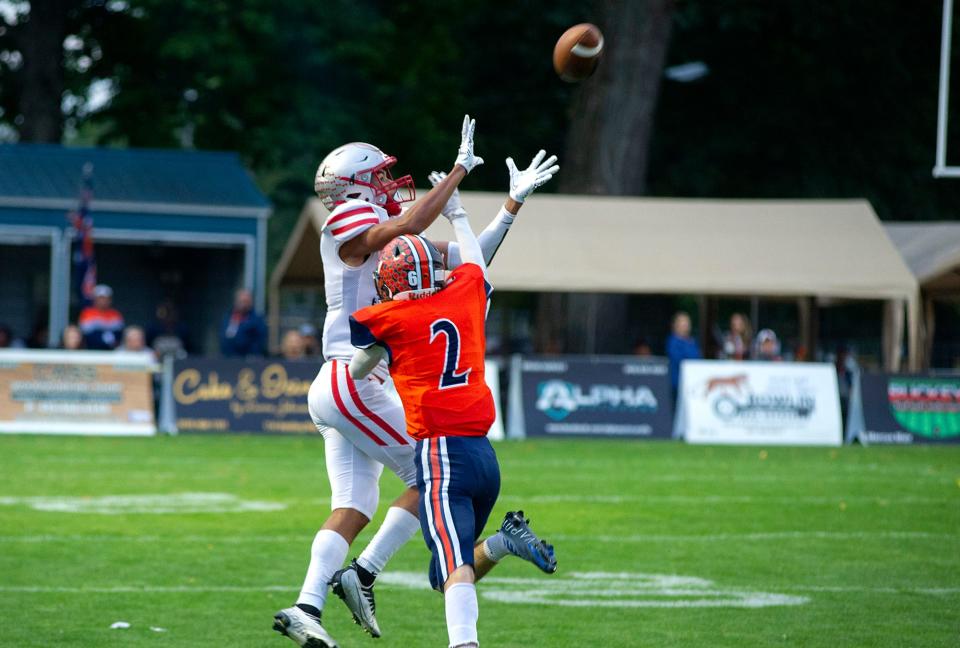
(384, 190)
(361, 171)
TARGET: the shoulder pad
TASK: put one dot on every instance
(352, 218)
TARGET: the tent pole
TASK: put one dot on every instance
(273, 317)
(892, 334)
(943, 97)
(807, 311)
(703, 328)
(592, 302)
(913, 334)
(929, 331)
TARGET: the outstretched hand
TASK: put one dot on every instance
(523, 183)
(454, 208)
(465, 155)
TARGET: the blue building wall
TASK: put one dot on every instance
(153, 211)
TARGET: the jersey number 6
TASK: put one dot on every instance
(450, 377)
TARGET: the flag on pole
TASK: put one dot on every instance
(84, 262)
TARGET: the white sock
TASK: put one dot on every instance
(495, 547)
(326, 556)
(462, 614)
(398, 526)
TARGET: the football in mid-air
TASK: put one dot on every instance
(577, 52)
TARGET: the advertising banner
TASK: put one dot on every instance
(227, 395)
(76, 392)
(589, 397)
(265, 396)
(758, 403)
(909, 409)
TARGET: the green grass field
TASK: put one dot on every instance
(659, 545)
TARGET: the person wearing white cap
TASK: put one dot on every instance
(311, 340)
(767, 346)
(100, 323)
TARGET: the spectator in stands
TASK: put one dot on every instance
(311, 340)
(134, 339)
(243, 333)
(39, 336)
(166, 335)
(6, 337)
(767, 347)
(680, 346)
(100, 323)
(72, 339)
(292, 347)
(736, 342)
(642, 348)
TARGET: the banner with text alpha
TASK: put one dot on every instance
(578, 396)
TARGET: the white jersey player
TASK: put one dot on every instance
(362, 423)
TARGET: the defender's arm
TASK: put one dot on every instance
(467, 241)
(522, 184)
(365, 360)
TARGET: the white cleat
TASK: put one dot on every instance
(357, 597)
(303, 629)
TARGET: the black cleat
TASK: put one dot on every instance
(524, 543)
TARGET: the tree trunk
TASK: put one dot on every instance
(40, 41)
(612, 112)
(609, 139)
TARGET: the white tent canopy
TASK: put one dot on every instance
(728, 247)
(932, 251)
(802, 248)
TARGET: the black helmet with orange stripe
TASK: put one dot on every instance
(410, 267)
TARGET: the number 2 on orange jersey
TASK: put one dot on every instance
(450, 377)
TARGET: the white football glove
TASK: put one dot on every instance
(522, 183)
(454, 208)
(465, 156)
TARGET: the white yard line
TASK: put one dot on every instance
(604, 538)
(147, 504)
(737, 499)
(760, 536)
(574, 589)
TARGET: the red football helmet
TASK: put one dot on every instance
(362, 171)
(410, 267)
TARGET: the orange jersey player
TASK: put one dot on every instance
(435, 348)
(430, 328)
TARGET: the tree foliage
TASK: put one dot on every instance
(805, 98)
(809, 99)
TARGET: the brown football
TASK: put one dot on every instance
(577, 52)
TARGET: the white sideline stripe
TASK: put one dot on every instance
(393, 583)
(147, 589)
(79, 537)
(737, 499)
(150, 504)
(695, 474)
(583, 588)
(764, 535)
(653, 537)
